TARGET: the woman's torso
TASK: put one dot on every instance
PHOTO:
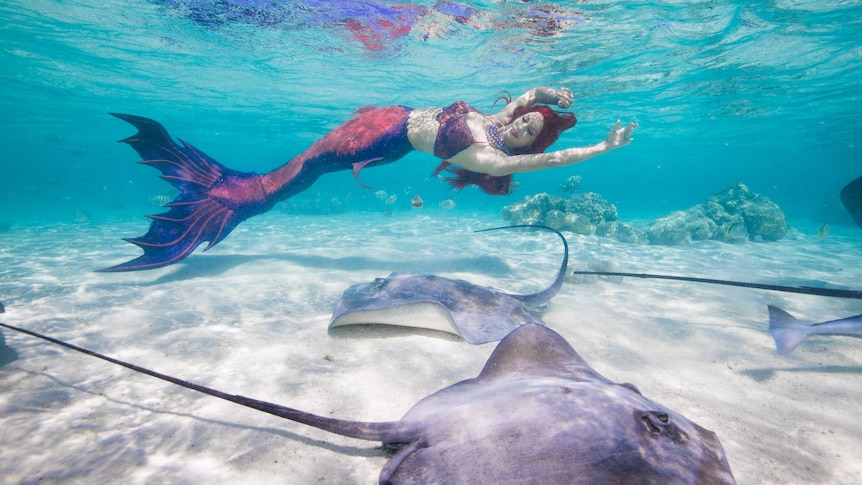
(444, 132)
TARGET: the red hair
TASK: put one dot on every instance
(554, 124)
(490, 184)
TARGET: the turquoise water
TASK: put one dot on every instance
(763, 93)
(766, 94)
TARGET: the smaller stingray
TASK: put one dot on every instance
(537, 413)
(478, 314)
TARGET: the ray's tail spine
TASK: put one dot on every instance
(381, 431)
(535, 299)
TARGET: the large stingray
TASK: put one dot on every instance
(478, 314)
(537, 413)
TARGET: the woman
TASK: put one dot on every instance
(214, 199)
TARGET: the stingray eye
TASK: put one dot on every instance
(656, 422)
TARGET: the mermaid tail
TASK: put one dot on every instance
(213, 199)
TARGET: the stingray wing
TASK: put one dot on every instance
(405, 300)
(851, 197)
(484, 314)
(539, 351)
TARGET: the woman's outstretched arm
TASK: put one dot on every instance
(541, 95)
(486, 159)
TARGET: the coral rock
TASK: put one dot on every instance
(566, 221)
(734, 215)
(592, 205)
(682, 227)
(579, 213)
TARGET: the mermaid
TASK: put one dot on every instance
(476, 148)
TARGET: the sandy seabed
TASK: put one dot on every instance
(250, 317)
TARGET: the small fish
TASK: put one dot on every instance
(416, 202)
(823, 232)
(447, 204)
(159, 200)
(788, 332)
(571, 184)
(735, 230)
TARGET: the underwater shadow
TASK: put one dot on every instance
(765, 373)
(215, 265)
(492, 265)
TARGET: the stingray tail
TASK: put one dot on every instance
(382, 431)
(544, 296)
(213, 199)
(787, 331)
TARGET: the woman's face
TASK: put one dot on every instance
(522, 131)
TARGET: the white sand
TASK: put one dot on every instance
(250, 316)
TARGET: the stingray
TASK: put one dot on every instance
(537, 413)
(478, 314)
(851, 197)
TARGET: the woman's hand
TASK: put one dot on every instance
(561, 97)
(620, 137)
(564, 97)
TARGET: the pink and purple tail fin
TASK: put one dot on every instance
(213, 199)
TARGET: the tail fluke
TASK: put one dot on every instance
(213, 199)
(787, 331)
